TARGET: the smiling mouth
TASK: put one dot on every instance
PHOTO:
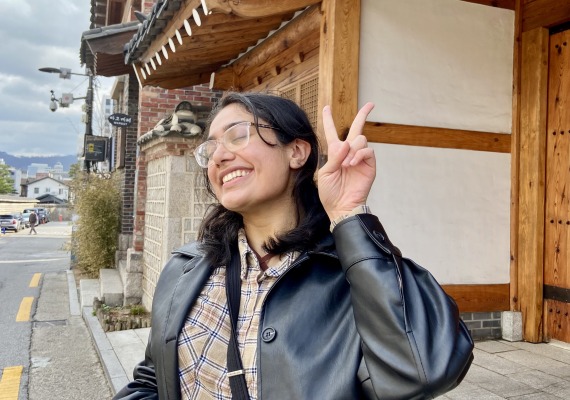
(235, 174)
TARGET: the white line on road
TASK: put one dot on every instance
(33, 260)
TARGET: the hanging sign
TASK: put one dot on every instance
(95, 148)
(120, 119)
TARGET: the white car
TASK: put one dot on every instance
(11, 222)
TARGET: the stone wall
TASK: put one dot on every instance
(156, 104)
(175, 204)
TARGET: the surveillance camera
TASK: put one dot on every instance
(52, 106)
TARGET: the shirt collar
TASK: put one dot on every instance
(249, 262)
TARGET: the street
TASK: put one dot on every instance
(46, 351)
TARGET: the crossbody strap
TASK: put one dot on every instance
(236, 372)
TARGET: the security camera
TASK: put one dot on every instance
(53, 105)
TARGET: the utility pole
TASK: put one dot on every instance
(65, 73)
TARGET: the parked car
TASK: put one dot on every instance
(13, 222)
(26, 219)
(43, 215)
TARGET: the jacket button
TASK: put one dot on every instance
(268, 335)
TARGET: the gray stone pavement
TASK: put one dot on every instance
(64, 364)
(517, 370)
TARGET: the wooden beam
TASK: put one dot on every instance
(534, 88)
(515, 156)
(308, 44)
(480, 298)
(274, 51)
(338, 62)
(257, 8)
(294, 73)
(545, 13)
(507, 4)
(437, 137)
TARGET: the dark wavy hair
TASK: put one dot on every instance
(219, 229)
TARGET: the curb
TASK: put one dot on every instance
(114, 372)
(113, 369)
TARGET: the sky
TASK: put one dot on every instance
(36, 34)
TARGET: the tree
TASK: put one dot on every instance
(6, 181)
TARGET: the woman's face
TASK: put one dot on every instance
(255, 178)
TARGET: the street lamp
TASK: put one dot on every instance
(65, 73)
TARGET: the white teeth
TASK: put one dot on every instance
(233, 175)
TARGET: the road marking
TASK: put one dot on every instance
(35, 280)
(10, 383)
(34, 260)
(25, 309)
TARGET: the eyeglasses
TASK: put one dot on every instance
(233, 139)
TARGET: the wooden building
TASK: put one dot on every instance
(469, 128)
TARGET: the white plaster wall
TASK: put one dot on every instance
(441, 63)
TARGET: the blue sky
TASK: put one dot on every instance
(36, 34)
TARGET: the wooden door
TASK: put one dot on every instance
(557, 202)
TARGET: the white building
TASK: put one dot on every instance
(48, 186)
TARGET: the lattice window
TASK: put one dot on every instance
(290, 94)
(309, 100)
(306, 94)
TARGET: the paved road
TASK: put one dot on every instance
(48, 353)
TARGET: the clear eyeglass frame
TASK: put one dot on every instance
(234, 139)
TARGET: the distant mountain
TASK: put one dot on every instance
(23, 162)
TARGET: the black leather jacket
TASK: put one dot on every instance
(349, 320)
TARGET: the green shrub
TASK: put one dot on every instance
(97, 204)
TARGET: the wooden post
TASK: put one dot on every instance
(532, 165)
(515, 133)
(338, 62)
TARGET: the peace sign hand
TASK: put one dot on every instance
(345, 180)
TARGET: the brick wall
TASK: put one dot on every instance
(127, 146)
(483, 325)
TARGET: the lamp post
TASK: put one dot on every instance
(65, 73)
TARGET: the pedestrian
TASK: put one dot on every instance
(293, 290)
(33, 219)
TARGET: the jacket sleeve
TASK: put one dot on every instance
(414, 344)
(143, 385)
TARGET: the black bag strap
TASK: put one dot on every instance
(236, 372)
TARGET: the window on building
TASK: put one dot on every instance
(60, 191)
(305, 93)
(47, 190)
(36, 190)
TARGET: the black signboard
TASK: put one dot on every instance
(95, 148)
(120, 119)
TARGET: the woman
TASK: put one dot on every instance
(327, 307)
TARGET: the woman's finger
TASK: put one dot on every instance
(366, 155)
(358, 143)
(328, 124)
(358, 123)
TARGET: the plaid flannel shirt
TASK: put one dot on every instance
(203, 341)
